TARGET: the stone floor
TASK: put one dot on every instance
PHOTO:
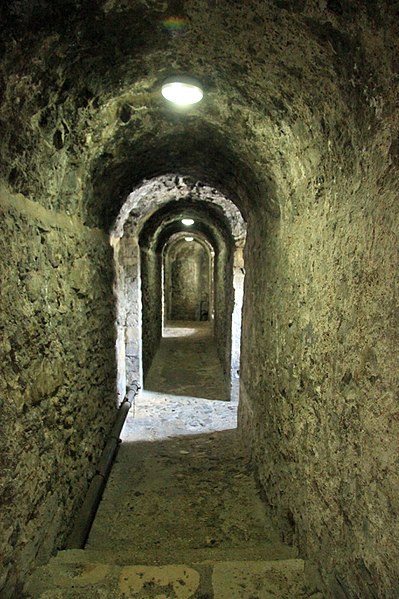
(180, 519)
(191, 496)
(181, 516)
(161, 416)
(187, 364)
(181, 401)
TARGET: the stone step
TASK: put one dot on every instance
(159, 556)
(124, 556)
(67, 576)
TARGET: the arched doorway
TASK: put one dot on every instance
(188, 279)
(147, 221)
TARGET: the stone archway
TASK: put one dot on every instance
(188, 278)
(131, 283)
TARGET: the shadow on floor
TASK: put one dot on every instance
(185, 498)
(187, 364)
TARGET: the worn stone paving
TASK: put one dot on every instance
(173, 497)
(180, 519)
(172, 411)
(71, 576)
(161, 416)
(181, 516)
(186, 363)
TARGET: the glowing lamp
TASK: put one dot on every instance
(182, 91)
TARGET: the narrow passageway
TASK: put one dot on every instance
(261, 194)
(181, 516)
(180, 519)
(187, 363)
(183, 388)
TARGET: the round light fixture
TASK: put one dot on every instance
(189, 238)
(187, 221)
(182, 91)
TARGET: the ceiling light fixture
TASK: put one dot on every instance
(187, 221)
(182, 91)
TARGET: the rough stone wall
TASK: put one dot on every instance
(299, 121)
(320, 374)
(224, 303)
(238, 294)
(128, 311)
(187, 283)
(57, 398)
(151, 298)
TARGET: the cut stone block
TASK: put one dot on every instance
(259, 580)
(161, 582)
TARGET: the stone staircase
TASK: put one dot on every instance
(78, 574)
(179, 519)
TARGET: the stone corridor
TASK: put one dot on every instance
(183, 389)
(181, 516)
(270, 205)
(180, 519)
(187, 363)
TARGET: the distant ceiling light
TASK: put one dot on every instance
(189, 238)
(187, 221)
(182, 90)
